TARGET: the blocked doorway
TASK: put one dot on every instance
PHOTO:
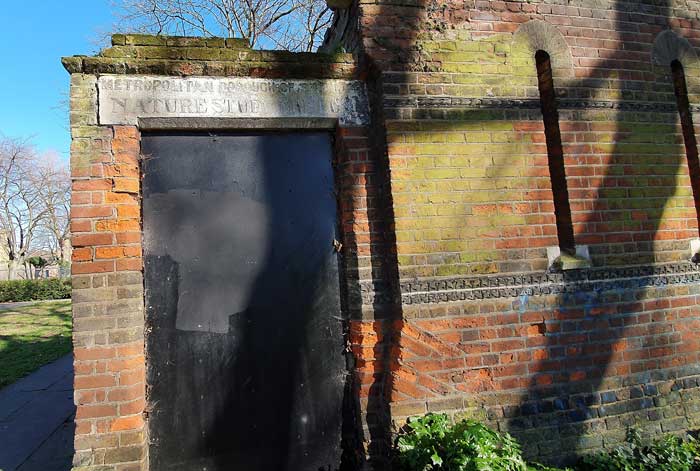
(244, 334)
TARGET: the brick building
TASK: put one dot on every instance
(517, 212)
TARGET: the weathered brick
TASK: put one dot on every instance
(94, 381)
(124, 454)
(134, 422)
(79, 268)
(90, 240)
(91, 211)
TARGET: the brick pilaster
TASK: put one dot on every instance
(108, 312)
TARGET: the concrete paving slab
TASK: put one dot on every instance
(11, 403)
(36, 417)
(47, 376)
(56, 376)
(56, 453)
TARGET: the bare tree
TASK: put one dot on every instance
(34, 196)
(53, 181)
(18, 201)
(306, 28)
(296, 25)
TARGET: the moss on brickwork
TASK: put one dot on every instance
(460, 186)
(432, 148)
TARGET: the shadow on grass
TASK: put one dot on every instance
(32, 336)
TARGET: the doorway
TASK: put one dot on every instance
(244, 340)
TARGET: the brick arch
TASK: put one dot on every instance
(669, 46)
(538, 35)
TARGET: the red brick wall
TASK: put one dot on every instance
(568, 360)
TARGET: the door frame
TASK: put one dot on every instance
(351, 433)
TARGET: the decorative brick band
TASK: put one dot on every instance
(424, 102)
(534, 284)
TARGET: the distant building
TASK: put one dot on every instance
(52, 270)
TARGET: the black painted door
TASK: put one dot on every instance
(246, 368)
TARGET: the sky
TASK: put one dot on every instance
(33, 83)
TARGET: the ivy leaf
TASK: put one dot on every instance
(435, 458)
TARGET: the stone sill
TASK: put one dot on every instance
(695, 250)
(563, 262)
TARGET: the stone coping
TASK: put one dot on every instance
(194, 56)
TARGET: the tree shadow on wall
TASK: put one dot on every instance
(588, 329)
(603, 337)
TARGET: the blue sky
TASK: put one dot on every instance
(33, 81)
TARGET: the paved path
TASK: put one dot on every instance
(10, 306)
(36, 420)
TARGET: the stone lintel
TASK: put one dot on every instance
(124, 100)
(266, 124)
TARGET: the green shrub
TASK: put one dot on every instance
(34, 290)
(669, 453)
(432, 443)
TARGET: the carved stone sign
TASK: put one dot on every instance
(125, 99)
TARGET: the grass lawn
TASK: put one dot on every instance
(31, 336)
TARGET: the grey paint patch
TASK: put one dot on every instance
(125, 99)
(200, 225)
